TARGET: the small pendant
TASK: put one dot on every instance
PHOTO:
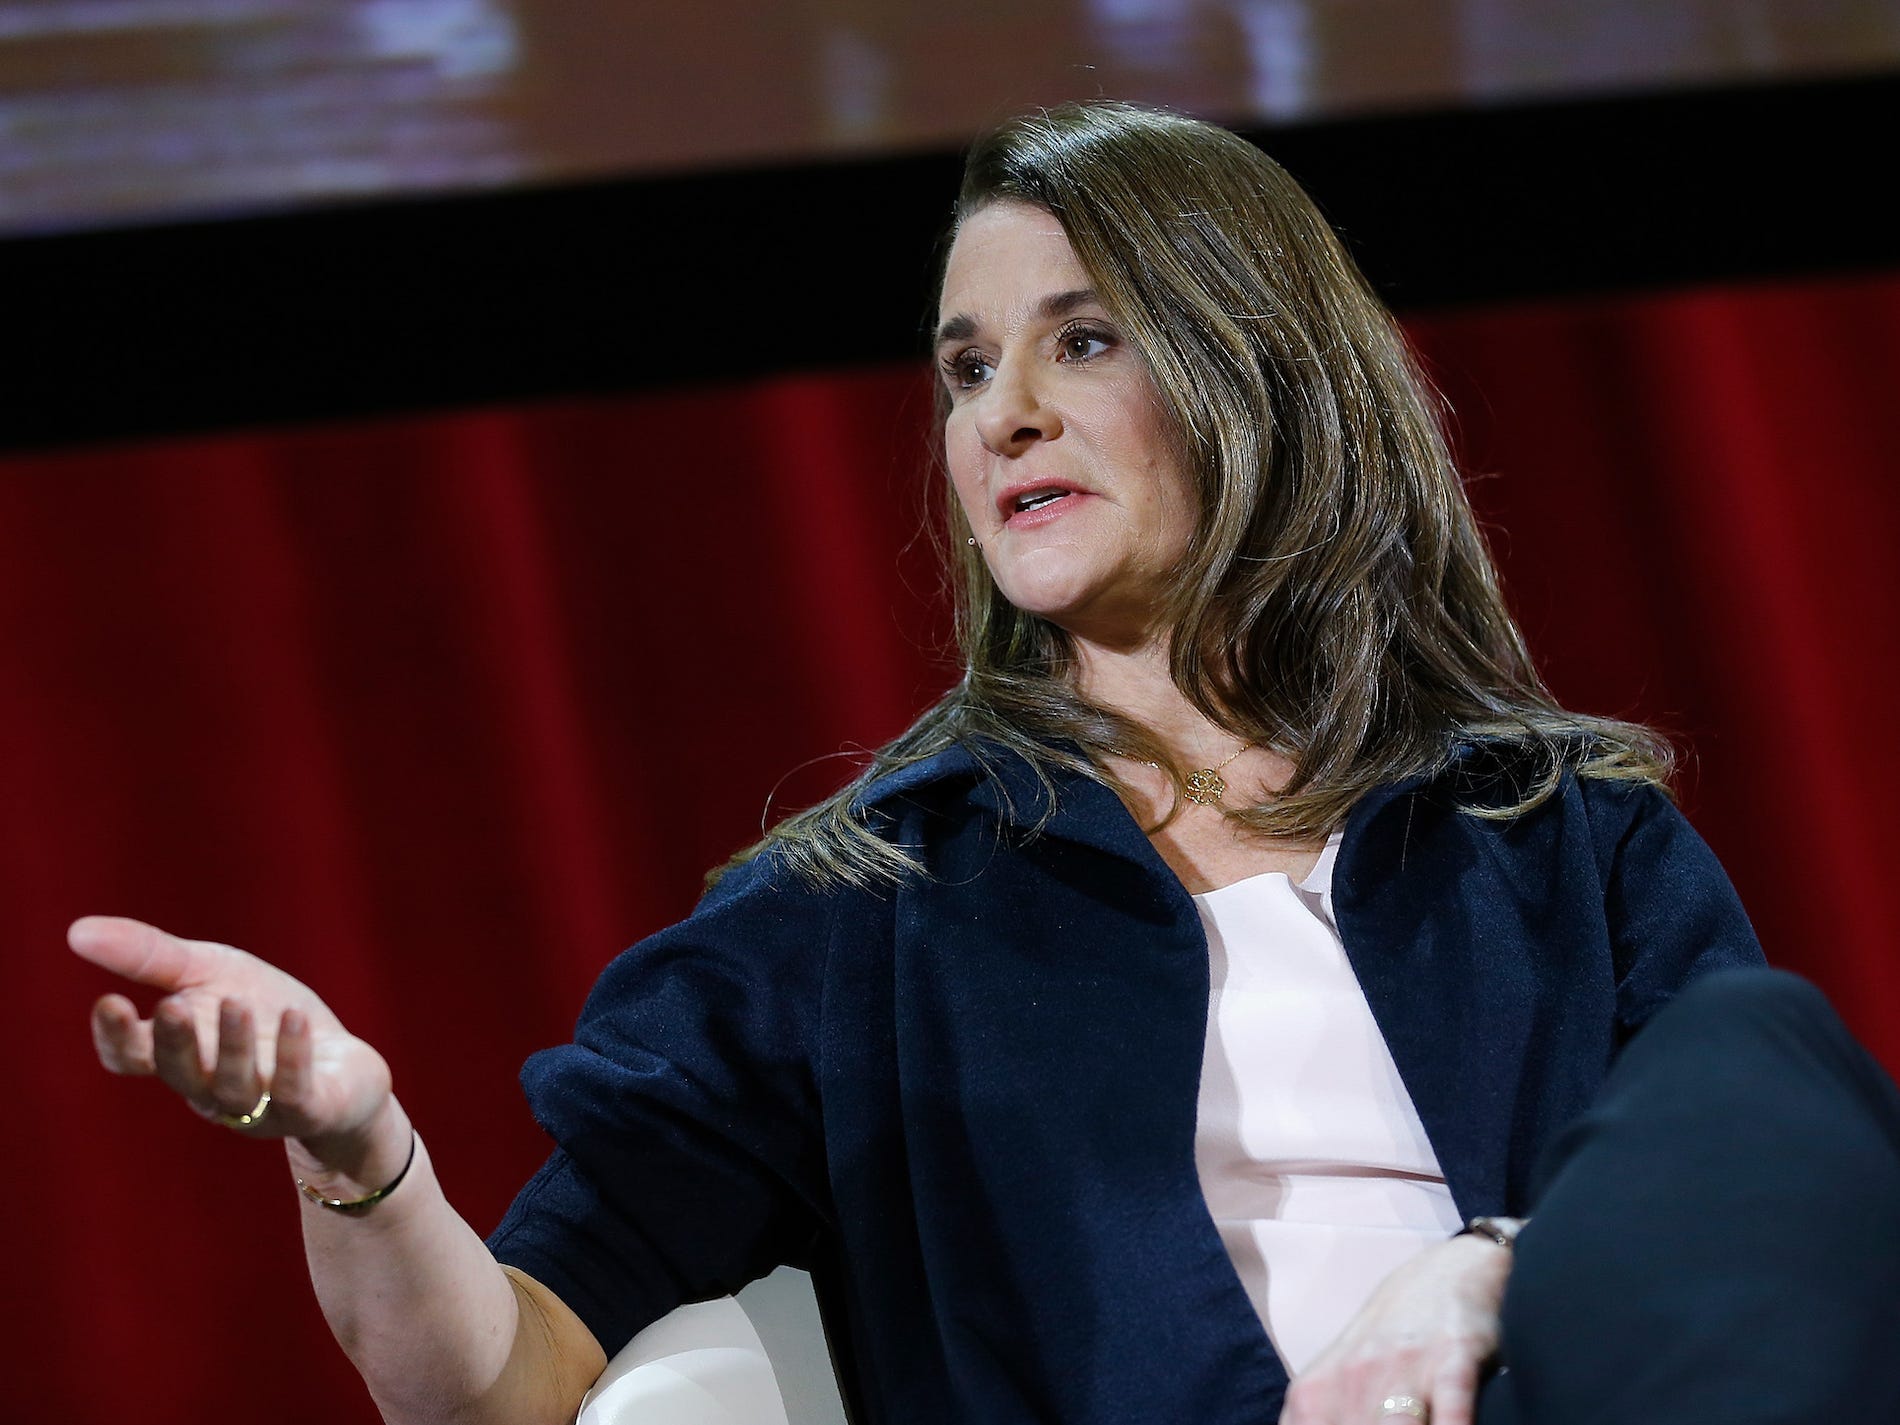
(1206, 787)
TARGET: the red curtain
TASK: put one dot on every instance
(440, 711)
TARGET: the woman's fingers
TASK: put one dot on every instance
(232, 1027)
(235, 1080)
(1441, 1383)
(168, 1044)
(1455, 1390)
(213, 1067)
(290, 1084)
(1451, 1407)
(142, 952)
(122, 1040)
(176, 1054)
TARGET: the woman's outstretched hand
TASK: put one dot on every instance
(438, 1329)
(1423, 1337)
(228, 1027)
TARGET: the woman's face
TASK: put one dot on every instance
(1057, 442)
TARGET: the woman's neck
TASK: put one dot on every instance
(1203, 847)
(1136, 683)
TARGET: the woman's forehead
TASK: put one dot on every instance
(1007, 257)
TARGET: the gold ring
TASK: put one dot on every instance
(1404, 1405)
(247, 1120)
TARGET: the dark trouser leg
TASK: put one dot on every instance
(1718, 1238)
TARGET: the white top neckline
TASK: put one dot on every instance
(1318, 881)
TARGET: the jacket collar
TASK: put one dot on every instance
(1006, 784)
(1077, 808)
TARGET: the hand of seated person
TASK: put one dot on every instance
(1425, 1333)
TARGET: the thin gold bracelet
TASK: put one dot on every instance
(362, 1204)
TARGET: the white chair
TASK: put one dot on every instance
(758, 1358)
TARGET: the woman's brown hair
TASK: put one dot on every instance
(1337, 603)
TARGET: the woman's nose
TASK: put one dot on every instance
(1015, 414)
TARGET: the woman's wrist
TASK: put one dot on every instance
(352, 1165)
(1501, 1231)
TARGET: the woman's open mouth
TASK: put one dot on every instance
(1035, 505)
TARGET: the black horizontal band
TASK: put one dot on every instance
(609, 286)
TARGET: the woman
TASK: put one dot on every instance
(964, 1039)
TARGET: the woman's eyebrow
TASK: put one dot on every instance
(1057, 304)
(1060, 304)
(958, 328)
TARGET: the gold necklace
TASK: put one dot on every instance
(1206, 787)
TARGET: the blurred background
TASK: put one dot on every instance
(461, 460)
(131, 110)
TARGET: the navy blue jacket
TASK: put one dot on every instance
(967, 1104)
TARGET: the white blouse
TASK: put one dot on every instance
(1313, 1160)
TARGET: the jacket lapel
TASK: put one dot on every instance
(1434, 927)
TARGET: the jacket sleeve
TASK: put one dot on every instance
(1672, 913)
(689, 1157)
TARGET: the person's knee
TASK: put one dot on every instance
(1732, 1042)
(1778, 1044)
(1752, 996)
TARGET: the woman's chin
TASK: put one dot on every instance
(1085, 614)
(1057, 603)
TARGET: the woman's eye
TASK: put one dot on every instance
(966, 370)
(1083, 345)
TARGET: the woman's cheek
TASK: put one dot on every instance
(966, 479)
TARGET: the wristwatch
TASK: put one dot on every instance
(1502, 1230)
